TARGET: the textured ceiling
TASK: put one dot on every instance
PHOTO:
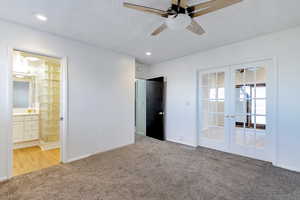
(107, 24)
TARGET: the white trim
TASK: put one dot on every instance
(79, 158)
(275, 145)
(96, 152)
(64, 128)
(21, 145)
(9, 113)
(112, 148)
(49, 145)
(247, 61)
(291, 168)
(9, 107)
(181, 142)
(140, 132)
(4, 178)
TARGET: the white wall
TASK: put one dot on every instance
(141, 71)
(101, 91)
(181, 88)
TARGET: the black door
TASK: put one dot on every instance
(155, 108)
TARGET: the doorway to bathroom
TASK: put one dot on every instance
(37, 111)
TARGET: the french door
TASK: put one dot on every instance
(233, 109)
(213, 95)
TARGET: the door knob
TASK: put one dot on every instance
(161, 113)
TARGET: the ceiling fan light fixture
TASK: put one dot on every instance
(41, 17)
(178, 22)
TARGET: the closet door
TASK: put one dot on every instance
(213, 109)
(249, 130)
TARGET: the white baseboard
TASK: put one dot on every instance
(294, 169)
(78, 158)
(140, 133)
(49, 145)
(27, 144)
(3, 179)
(181, 142)
(113, 148)
(97, 152)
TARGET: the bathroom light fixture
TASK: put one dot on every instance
(32, 59)
(19, 76)
(41, 17)
(148, 53)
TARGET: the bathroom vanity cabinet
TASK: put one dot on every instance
(25, 127)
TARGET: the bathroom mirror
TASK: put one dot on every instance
(21, 94)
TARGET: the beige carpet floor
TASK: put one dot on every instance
(152, 170)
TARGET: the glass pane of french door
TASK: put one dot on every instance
(212, 107)
(250, 84)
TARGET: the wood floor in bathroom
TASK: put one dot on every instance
(33, 158)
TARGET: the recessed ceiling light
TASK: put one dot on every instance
(41, 17)
(148, 53)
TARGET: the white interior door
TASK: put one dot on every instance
(212, 108)
(234, 109)
(249, 110)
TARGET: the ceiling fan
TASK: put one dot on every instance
(181, 16)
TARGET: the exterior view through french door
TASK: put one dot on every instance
(234, 109)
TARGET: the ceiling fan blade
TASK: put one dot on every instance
(201, 6)
(175, 2)
(183, 3)
(146, 9)
(195, 28)
(160, 29)
(210, 6)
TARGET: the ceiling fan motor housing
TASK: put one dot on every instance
(178, 9)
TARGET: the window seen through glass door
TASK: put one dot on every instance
(250, 122)
(212, 98)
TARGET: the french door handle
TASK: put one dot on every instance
(161, 113)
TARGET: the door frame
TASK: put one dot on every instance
(64, 109)
(272, 140)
